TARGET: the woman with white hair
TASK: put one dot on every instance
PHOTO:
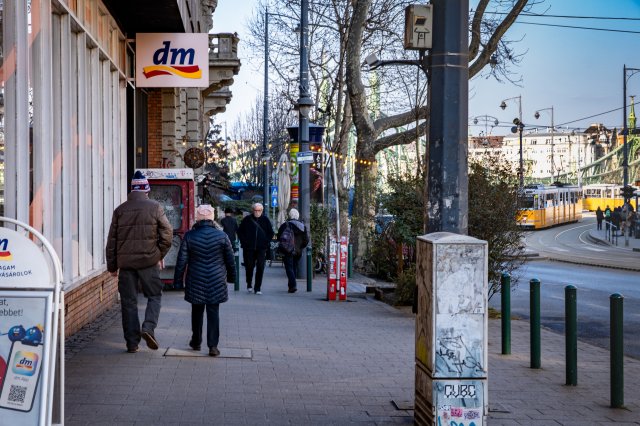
(206, 255)
(292, 238)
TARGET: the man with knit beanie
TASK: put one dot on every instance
(139, 238)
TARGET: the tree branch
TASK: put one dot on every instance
(402, 138)
(386, 123)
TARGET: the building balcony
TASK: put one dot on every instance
(223, 65)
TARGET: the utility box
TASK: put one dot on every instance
(451, 330)
(418, 27)
(174, 189)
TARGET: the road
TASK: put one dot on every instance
(594, 283)
(571, 242)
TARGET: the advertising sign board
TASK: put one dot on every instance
(172, 60)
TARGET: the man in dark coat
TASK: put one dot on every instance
(599, 217)
(255, 233)
(207, 256)
(139, 238)
(230, 225)
(301, 240)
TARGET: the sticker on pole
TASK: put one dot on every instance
(22, 263)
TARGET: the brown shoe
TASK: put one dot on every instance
(133, 350)
(214, 351)
(152, 343)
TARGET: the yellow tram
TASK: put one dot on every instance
(603, 195)
(546, 206)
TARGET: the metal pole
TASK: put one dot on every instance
(265, 118)
(553, 166)
(447, 183)
(534, 305)
(505, 297)
(617, 354)
(520, 126)
(625, 171)
(236, 283)
(304, 104)
(571, 334)
(309, 269)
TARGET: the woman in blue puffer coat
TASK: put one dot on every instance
(207, 257)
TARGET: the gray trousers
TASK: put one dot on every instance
(151, 284)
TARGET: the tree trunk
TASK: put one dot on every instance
(364, 207)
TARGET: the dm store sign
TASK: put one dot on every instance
(22, 263)
(172, 60)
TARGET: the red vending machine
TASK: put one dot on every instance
(174, 189)
(342, 285)
(332, 276)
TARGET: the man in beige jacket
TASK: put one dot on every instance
(139, 238)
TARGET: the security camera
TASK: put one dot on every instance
(371, 60)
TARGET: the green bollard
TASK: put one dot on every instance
(236, 283)
(617, 353)
(309, 270)
(534, 306)
(505, 298)
(571, 334)
(350, 261)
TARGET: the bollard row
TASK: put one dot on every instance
(571, 334)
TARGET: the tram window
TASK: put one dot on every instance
(528, 203)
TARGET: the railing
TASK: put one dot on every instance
(223, 46)
(611, 232)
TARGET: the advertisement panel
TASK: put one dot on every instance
(172, 60)
(24, 350)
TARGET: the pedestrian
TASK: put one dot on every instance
(292, 238)
(206, 255)
(139, 238)
(607, 218)
(599, 218)
(255, 234)
(230, 225)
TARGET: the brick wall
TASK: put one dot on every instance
(154, 128)
(85, 303)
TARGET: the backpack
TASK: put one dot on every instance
(287, 242)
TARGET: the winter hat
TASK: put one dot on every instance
(294, 214)
(139, 183)
(204, 212)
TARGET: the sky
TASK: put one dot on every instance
(578, 72)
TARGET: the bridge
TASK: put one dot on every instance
(607, 169)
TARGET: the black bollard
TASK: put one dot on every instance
(505, 298)
(571, 334)
(534, 306)
(617, 353)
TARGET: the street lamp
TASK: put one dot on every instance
(625, 131)
(305, 104)
(519, 128)
(486, 119)
(537, 115)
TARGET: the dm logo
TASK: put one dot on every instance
(168, 61)
(4, 253)
(26, 363)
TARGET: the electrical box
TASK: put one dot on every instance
(418, 27)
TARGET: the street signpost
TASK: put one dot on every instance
(305, 157)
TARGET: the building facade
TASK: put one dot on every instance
(74, 127)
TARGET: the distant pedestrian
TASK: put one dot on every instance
(599, 218)
(607, 218)
(139, 238)
(206, 255)
(292, 237)
(230, 225)
(255, 234)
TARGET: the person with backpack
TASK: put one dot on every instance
(255, 234)
(292, 238)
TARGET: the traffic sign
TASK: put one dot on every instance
(274, 196)
(305, 157)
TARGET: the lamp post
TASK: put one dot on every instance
(304, 109)
(519, 129)
(537, 115)
(486, 119)
(266, 155)
(625, 162)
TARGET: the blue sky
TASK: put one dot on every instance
(578, 72)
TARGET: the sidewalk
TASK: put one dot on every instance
(294, 359)
(600, 237)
